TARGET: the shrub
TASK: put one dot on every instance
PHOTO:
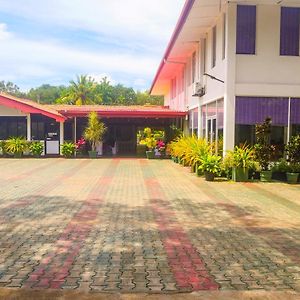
(95, 130)
(211, 164)
(16, 146)
(68, 149)
(293, 150)
(36, 148)
(241, 157)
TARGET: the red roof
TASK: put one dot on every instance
(111, 111)
(61, 112)
(28, 106)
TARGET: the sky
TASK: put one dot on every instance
(52, 41)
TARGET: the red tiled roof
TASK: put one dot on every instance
(133, 111)
(28, 106)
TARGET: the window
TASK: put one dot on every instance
(290, 31)
(246, 29)
(12, 126)
(37, 130)
(224, 36)
(214, 46)
(193, 67)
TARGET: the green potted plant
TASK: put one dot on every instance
(293, 157)
(241, 160)
(263, 149)
(36, 149)
(150, 143)
(68, 149)
(2, 147)
(211, 166)
(16, 146)
(94, 133)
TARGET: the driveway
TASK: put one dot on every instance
(143, 226)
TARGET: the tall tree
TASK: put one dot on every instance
(143, 98)
(81, 92)
(105, 89)
(46, 93)
(10, 88)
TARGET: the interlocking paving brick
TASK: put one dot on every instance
(130, 225)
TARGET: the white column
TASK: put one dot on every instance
(75, 129)
(199, 122)
(289, 122)
(230, 78)
(61, 134)
(28, 127)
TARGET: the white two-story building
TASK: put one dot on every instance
(231, 64)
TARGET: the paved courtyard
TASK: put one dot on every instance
(134, 225)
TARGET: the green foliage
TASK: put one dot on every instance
(95, 130)
(211, 164)
(84, 91)
(16, 146)
(293, 150)
(81, 92)
(10, 88)
(263, 149)
(46, 93)
(36, 148)
(150, 137)
(144, 98)
(241, 157)
(2, 147)
(68, 149)
(190, 149)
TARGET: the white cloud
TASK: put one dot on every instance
(4, 34)
(141, 19)
(131, 37)
(45, 58)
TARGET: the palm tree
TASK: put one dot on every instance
(81, 92)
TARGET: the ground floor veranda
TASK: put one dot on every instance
(121, 133)
(210, 120)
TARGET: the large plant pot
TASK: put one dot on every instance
(240, 174)
(266, 176)
(150, 154)
(93, 154)
(292, 177)
(141, 150)
(209, 176)
(18, 155)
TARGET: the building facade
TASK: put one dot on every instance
(54, 124)
(230, 65)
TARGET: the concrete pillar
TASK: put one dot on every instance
(75, 129)
(230, 78)
(28, 127)
(61, 134)
(200, 129)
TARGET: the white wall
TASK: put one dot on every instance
(10, 112)
(214, 89)
(267, 73)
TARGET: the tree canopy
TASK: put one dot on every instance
(84, 90)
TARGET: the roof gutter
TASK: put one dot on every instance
(182, 19)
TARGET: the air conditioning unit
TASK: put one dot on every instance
(198, 89)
